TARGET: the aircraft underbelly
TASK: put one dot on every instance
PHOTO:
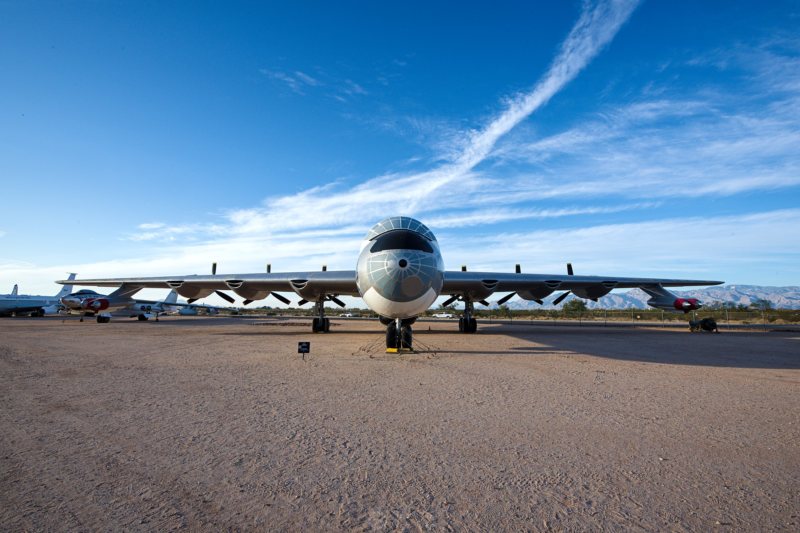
(391, 309)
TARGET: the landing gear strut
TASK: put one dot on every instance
(399, 335)
(320, 324)
(468, 323)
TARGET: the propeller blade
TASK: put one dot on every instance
(569, 269)
(336, 300)
(192, 300)
(247, 302)
(506, 298)
(483, 302)
(538, 301)
(450, 300)
(302, 302)
(560, 298)
(213, 269)
(280, 297)
(224, 296)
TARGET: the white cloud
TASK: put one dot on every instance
(725, 247)
(297, 81)
(493, 216)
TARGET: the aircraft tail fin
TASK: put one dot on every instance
(14, 290)
(66, 289)
(172, 297)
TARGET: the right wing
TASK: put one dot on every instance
(309, 285)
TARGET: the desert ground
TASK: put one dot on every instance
(218, 423)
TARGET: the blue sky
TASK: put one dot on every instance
(152, 138)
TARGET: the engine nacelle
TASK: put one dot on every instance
(687, 304)
(539, 293)
(95, 304)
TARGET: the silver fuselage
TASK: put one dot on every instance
(400, 271)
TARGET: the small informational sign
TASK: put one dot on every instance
(303, 347)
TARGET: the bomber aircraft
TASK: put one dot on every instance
(24, 304)
(399, 275)
(119, 303)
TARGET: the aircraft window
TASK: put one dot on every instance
(401, 240)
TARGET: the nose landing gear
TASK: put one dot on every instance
(399, 336)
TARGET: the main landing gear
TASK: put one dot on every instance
(103, 319)
(320, 324)
(398, 334)
(468, 323)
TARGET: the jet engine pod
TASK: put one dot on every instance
(248, 293)
(686, 304)
(193, 293)
(95, 304)
(539, 293)
(595, 290)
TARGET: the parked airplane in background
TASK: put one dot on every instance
(120, 303)
(399, 274)
(23, 304)
(194, 310)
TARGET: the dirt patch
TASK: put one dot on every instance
(199, 423)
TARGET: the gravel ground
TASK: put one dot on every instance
(215, 423)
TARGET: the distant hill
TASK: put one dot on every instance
(780, 297)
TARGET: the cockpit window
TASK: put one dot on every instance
(83, 292)
(401, 240)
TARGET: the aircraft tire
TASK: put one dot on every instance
(142, 318)
(461, 325)
(326, 325)
(391, 336)
(315, 325)
(405, 337)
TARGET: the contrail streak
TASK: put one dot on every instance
(595, 28)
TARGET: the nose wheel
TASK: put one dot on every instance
(398, 336)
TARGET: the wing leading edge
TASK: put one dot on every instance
(309, 285)
(479, 285)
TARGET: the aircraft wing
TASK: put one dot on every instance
(309, 285)
(537, 286)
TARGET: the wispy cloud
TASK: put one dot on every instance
(301, 83)
(297, 81)
(158, 231)
(493, 216)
